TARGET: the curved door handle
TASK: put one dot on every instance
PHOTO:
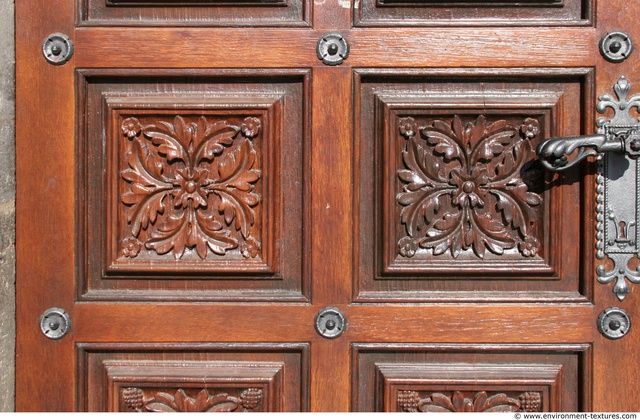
(617, 147)
(620, 134)
(556, 153)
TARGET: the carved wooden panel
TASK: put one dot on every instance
(182, 183)
(453, 204)
(208, 13)
(465, 387)
(188, 186)
(139, 400)
(469, 402)
(183, 378)
(193, 386)
(469, 378)
(473, 12)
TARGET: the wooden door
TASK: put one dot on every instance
(195, 185)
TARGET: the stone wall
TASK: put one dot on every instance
(7, 207)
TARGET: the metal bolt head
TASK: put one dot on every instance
(330, 323)
(55, 323)
(615, 46)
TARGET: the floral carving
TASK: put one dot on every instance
(134, 399)
(410, 401)
(463, 187)
(190, 185)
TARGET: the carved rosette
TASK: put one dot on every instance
(137, 400)
(459, 402)
(190, 184)
(464, 186)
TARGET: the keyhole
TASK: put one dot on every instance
(623, 230)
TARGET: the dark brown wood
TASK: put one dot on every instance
(194, 186)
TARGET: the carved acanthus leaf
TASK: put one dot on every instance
(456, 401)
(135, 399)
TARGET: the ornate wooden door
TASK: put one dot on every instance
(195, 185)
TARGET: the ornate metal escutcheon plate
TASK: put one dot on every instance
(618, 202)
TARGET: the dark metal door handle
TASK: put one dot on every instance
(620, 134)
(617, 148)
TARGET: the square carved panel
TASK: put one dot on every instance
(211, 378)
(473, 13)
(185, 190)
(453, 203)
(189, 186)
(469, 378)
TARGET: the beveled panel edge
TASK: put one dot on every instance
(469, 376)
(543, 104)
(292, 75)
(588, 76)
(217, 106)
(585, 354)
(587, 18)
(265, 376)
(302, 20)
(303, 348)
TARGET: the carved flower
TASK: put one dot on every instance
(250, 248)
(472, 186)
(530, 246)
(408, 246)
(131, 127)
(251, 127)
(131, 247)
(190, 187)
(530, 128)
(408, 127)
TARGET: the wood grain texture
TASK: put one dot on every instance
(422, 47)
(324, 185)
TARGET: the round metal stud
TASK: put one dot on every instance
(616, 46)
(332, 49)
(57, 49)
(330, 322)
(614, 323)
(55, 323)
